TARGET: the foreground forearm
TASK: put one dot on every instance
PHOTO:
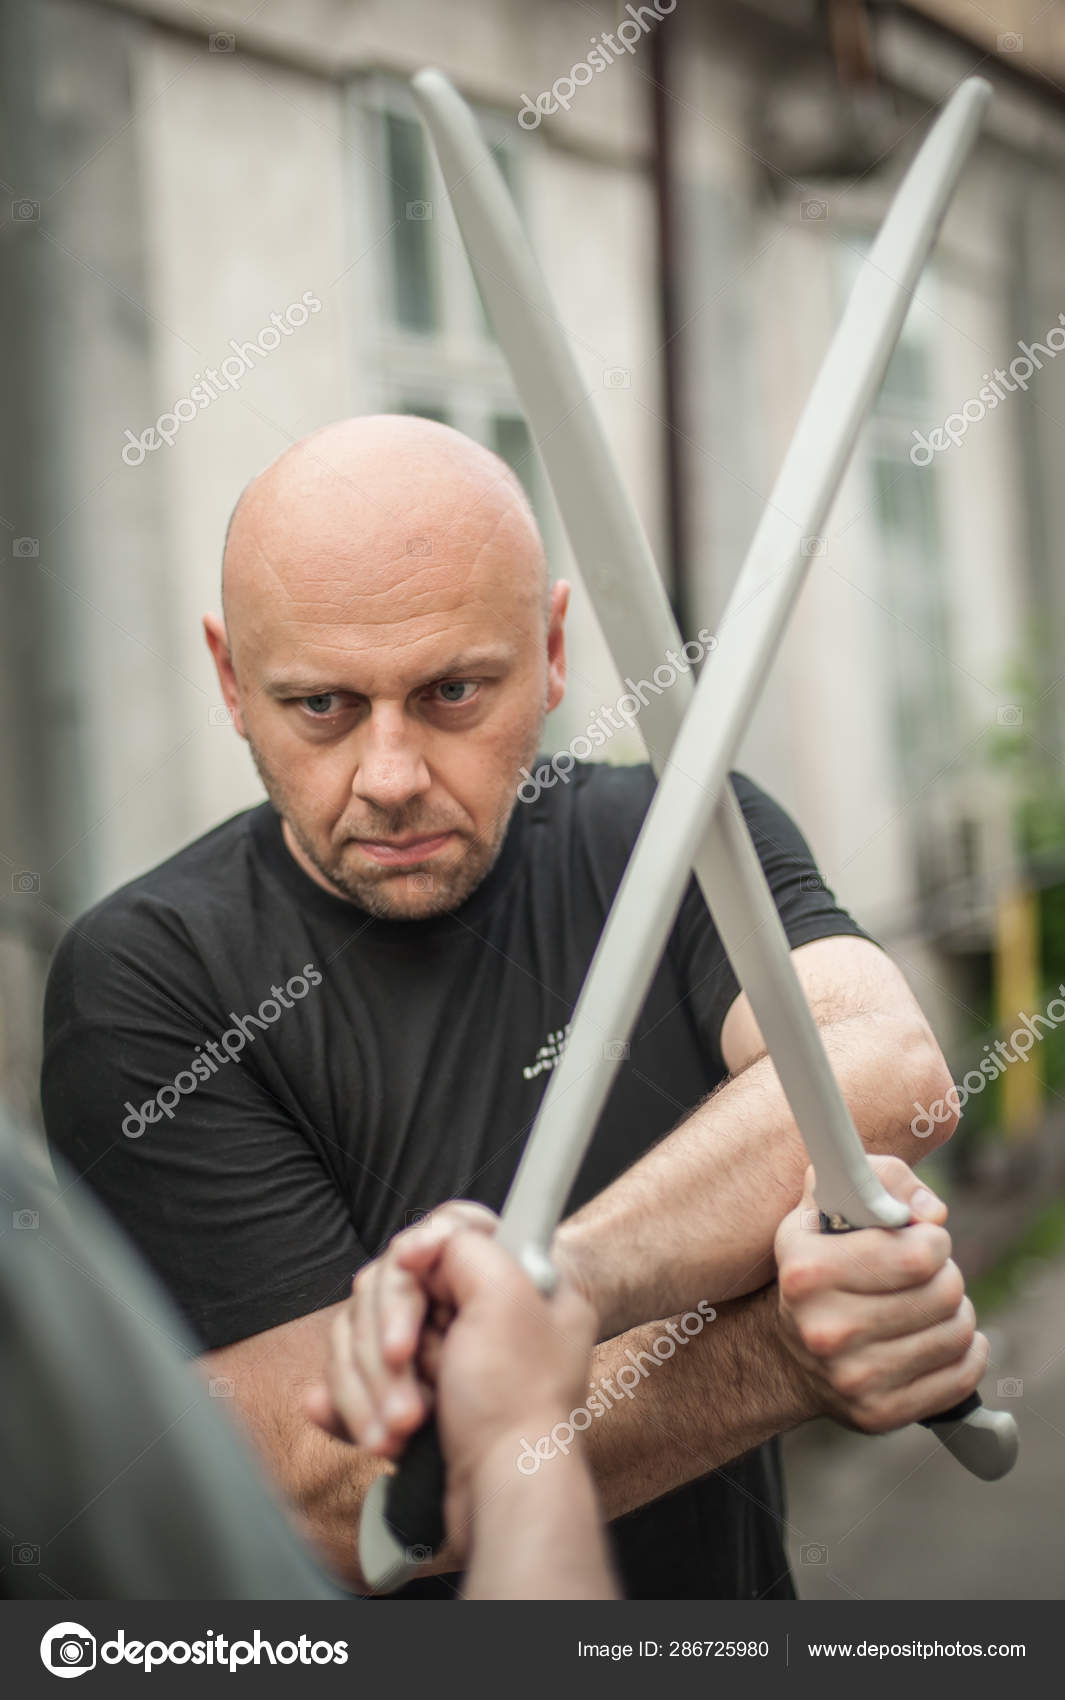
(537, 1537)
(723, 1392)
(696, 1216)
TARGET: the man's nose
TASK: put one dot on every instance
(391, 769)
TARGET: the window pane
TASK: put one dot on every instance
(424, 410)
(511, 441)
(415, 302)
(912, 591)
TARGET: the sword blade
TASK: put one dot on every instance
(630, 601)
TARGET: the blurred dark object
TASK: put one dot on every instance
(833, 118)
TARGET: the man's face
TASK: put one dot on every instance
(390, 701)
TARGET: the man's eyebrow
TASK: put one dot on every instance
(469, 661)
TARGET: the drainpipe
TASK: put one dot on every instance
(662, 45)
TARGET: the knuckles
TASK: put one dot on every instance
(875, 1418)
(965, 1323)
(854, 1382)
(824, 1337)
(920, 1252)
(801, 1275)
(953, 1287)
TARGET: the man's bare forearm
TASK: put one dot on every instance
(696, 1216)
(723, 1392)
(658, 1419)
(322, 1481)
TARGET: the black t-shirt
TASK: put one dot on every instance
(265, 1084)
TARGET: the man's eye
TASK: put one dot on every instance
(321, 705)
(452, 690)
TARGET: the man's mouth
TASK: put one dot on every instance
(402, 852)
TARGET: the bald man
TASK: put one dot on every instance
(339, 1010)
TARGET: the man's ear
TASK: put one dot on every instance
(218, 643)
(556, 644)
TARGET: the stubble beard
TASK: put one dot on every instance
(387, 894)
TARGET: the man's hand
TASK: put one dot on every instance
(879, 1318)
(510, 1364)
(447, 1318)
(377, 1393)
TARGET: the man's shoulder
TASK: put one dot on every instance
(202, 878)
(595, 794)
(590, 816)
(609, 800)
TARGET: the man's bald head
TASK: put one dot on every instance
(390, 646)
(369, 489)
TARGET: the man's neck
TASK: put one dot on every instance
(301, 858)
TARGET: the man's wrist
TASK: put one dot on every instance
(802, 1398)
(516, 1452)
(575, 1262)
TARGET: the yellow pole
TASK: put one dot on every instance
(1017, 993)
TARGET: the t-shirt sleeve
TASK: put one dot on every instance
(223, 1193)
(806, 905)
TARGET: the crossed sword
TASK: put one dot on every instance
(691, 732)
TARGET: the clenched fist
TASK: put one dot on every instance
(879, 1318)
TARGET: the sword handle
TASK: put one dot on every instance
(402, 1522)
(985, 1442)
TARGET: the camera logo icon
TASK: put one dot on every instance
(27, 1220)
(411, 1218)
(25, 212)
(814, 546)
(1010, 1388)
(67, 1649)
(24, 880)
(221, 1387)
(617, 378)
(25, 1554)
(1010, 42)
(25, 547)
(813, 1553)
(1010, 714)
(419, 545)
(615, 1050)
(419, 209)
(219, 715)
(813, 210)
(222, 42)
(418, 1555)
